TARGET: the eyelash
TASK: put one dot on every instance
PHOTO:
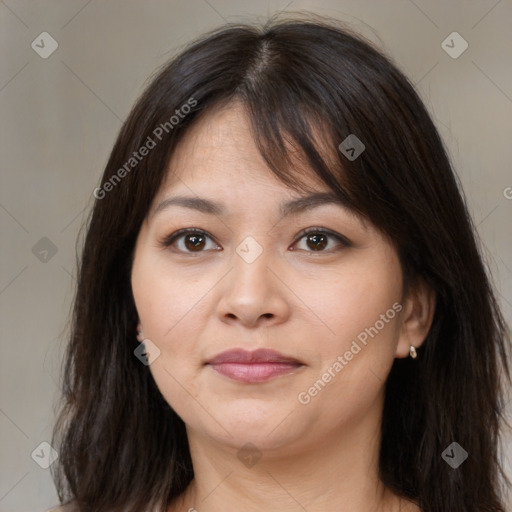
(169, 240)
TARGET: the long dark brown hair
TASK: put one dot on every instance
(121, 446)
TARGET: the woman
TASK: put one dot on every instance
(281, 304)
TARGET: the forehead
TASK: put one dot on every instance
(220, 147)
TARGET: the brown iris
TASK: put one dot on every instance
(194, 242)
(318, 240)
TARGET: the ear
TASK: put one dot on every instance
(140, 334)
(417, 316)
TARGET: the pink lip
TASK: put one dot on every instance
(251, 367)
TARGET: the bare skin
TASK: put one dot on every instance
(310, 449)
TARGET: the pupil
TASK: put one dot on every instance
(318, 241)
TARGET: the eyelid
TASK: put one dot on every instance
(333, 234)
(170, 239)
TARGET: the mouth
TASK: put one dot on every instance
(253, 367)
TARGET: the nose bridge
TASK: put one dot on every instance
(251, 263)
(253, 290)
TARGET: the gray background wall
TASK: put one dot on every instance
(60, 116)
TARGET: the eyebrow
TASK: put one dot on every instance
(291, 207)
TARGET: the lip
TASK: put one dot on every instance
(252, 367)
(261, 355)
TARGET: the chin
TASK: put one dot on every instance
(266, 431)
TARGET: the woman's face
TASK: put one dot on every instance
(248, 277)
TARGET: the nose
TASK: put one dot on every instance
(253, 293)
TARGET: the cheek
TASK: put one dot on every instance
(355, 366)
(173, 310)
(360, 316)
(164, 300)
(343, 304)
(165, 306)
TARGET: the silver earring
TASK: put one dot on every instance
(412, 352)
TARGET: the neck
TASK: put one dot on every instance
(338, 472)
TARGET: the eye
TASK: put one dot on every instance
(318, 238)
(194, 240)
